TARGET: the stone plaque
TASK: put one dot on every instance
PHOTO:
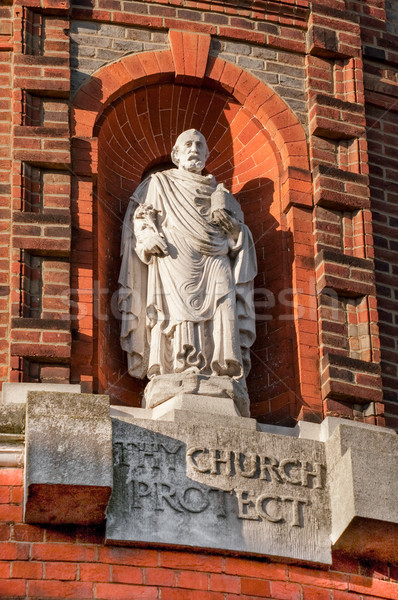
(232, 489)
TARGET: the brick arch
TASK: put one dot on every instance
(148, 68)
(114, 106)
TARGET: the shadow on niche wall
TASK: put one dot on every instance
(272, 382)
(136, 134)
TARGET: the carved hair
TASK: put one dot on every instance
(182, 135)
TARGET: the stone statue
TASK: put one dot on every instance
(186, 281)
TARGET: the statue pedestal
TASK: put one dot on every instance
(189, 408)
(200, 393)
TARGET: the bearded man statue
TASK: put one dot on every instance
(186, 283)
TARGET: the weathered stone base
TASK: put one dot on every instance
(363, 480)
(195, 475)
(165, 387)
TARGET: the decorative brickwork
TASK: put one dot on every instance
(344, 266)
(283, 71)
(41, 232)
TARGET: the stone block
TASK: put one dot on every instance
(362, 463)
(192, 484)
(68, 471)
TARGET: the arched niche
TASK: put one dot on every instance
(253, 140)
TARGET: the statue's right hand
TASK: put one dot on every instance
(154, 244)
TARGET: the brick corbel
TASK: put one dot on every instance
(333, 33)
(54, 78)
(339, 189)
(336, 119)
(349, 276)
(190, 52)
(350, 380)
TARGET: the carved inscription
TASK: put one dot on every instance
(255, 466)
(286, 472)
(151, 467)
(150, 461)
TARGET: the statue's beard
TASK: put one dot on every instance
(194, 165)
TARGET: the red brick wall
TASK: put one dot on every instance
(379, 33)
(72, 562)
(383, 155)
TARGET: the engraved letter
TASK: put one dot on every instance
(262, 511)
(246, 505)
(287, 468)
(219, 457)
(269, 469)
(148, 450)
(119, 455)
(171, 454)
(166, 492)
(194, 500)
(140, 490)
(316, 473)
(193, 453)
(297, 516)
(252, 464)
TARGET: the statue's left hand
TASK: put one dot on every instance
(226, 222)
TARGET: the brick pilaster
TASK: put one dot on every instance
(348, 333)
(41, 224)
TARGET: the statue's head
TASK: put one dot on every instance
(190, 151)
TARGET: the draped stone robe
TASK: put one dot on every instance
(192, 307)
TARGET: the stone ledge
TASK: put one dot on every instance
(17, 393)
(326, 486)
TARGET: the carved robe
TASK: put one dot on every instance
(192, 307)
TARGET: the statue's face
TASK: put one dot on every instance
(192, 153)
